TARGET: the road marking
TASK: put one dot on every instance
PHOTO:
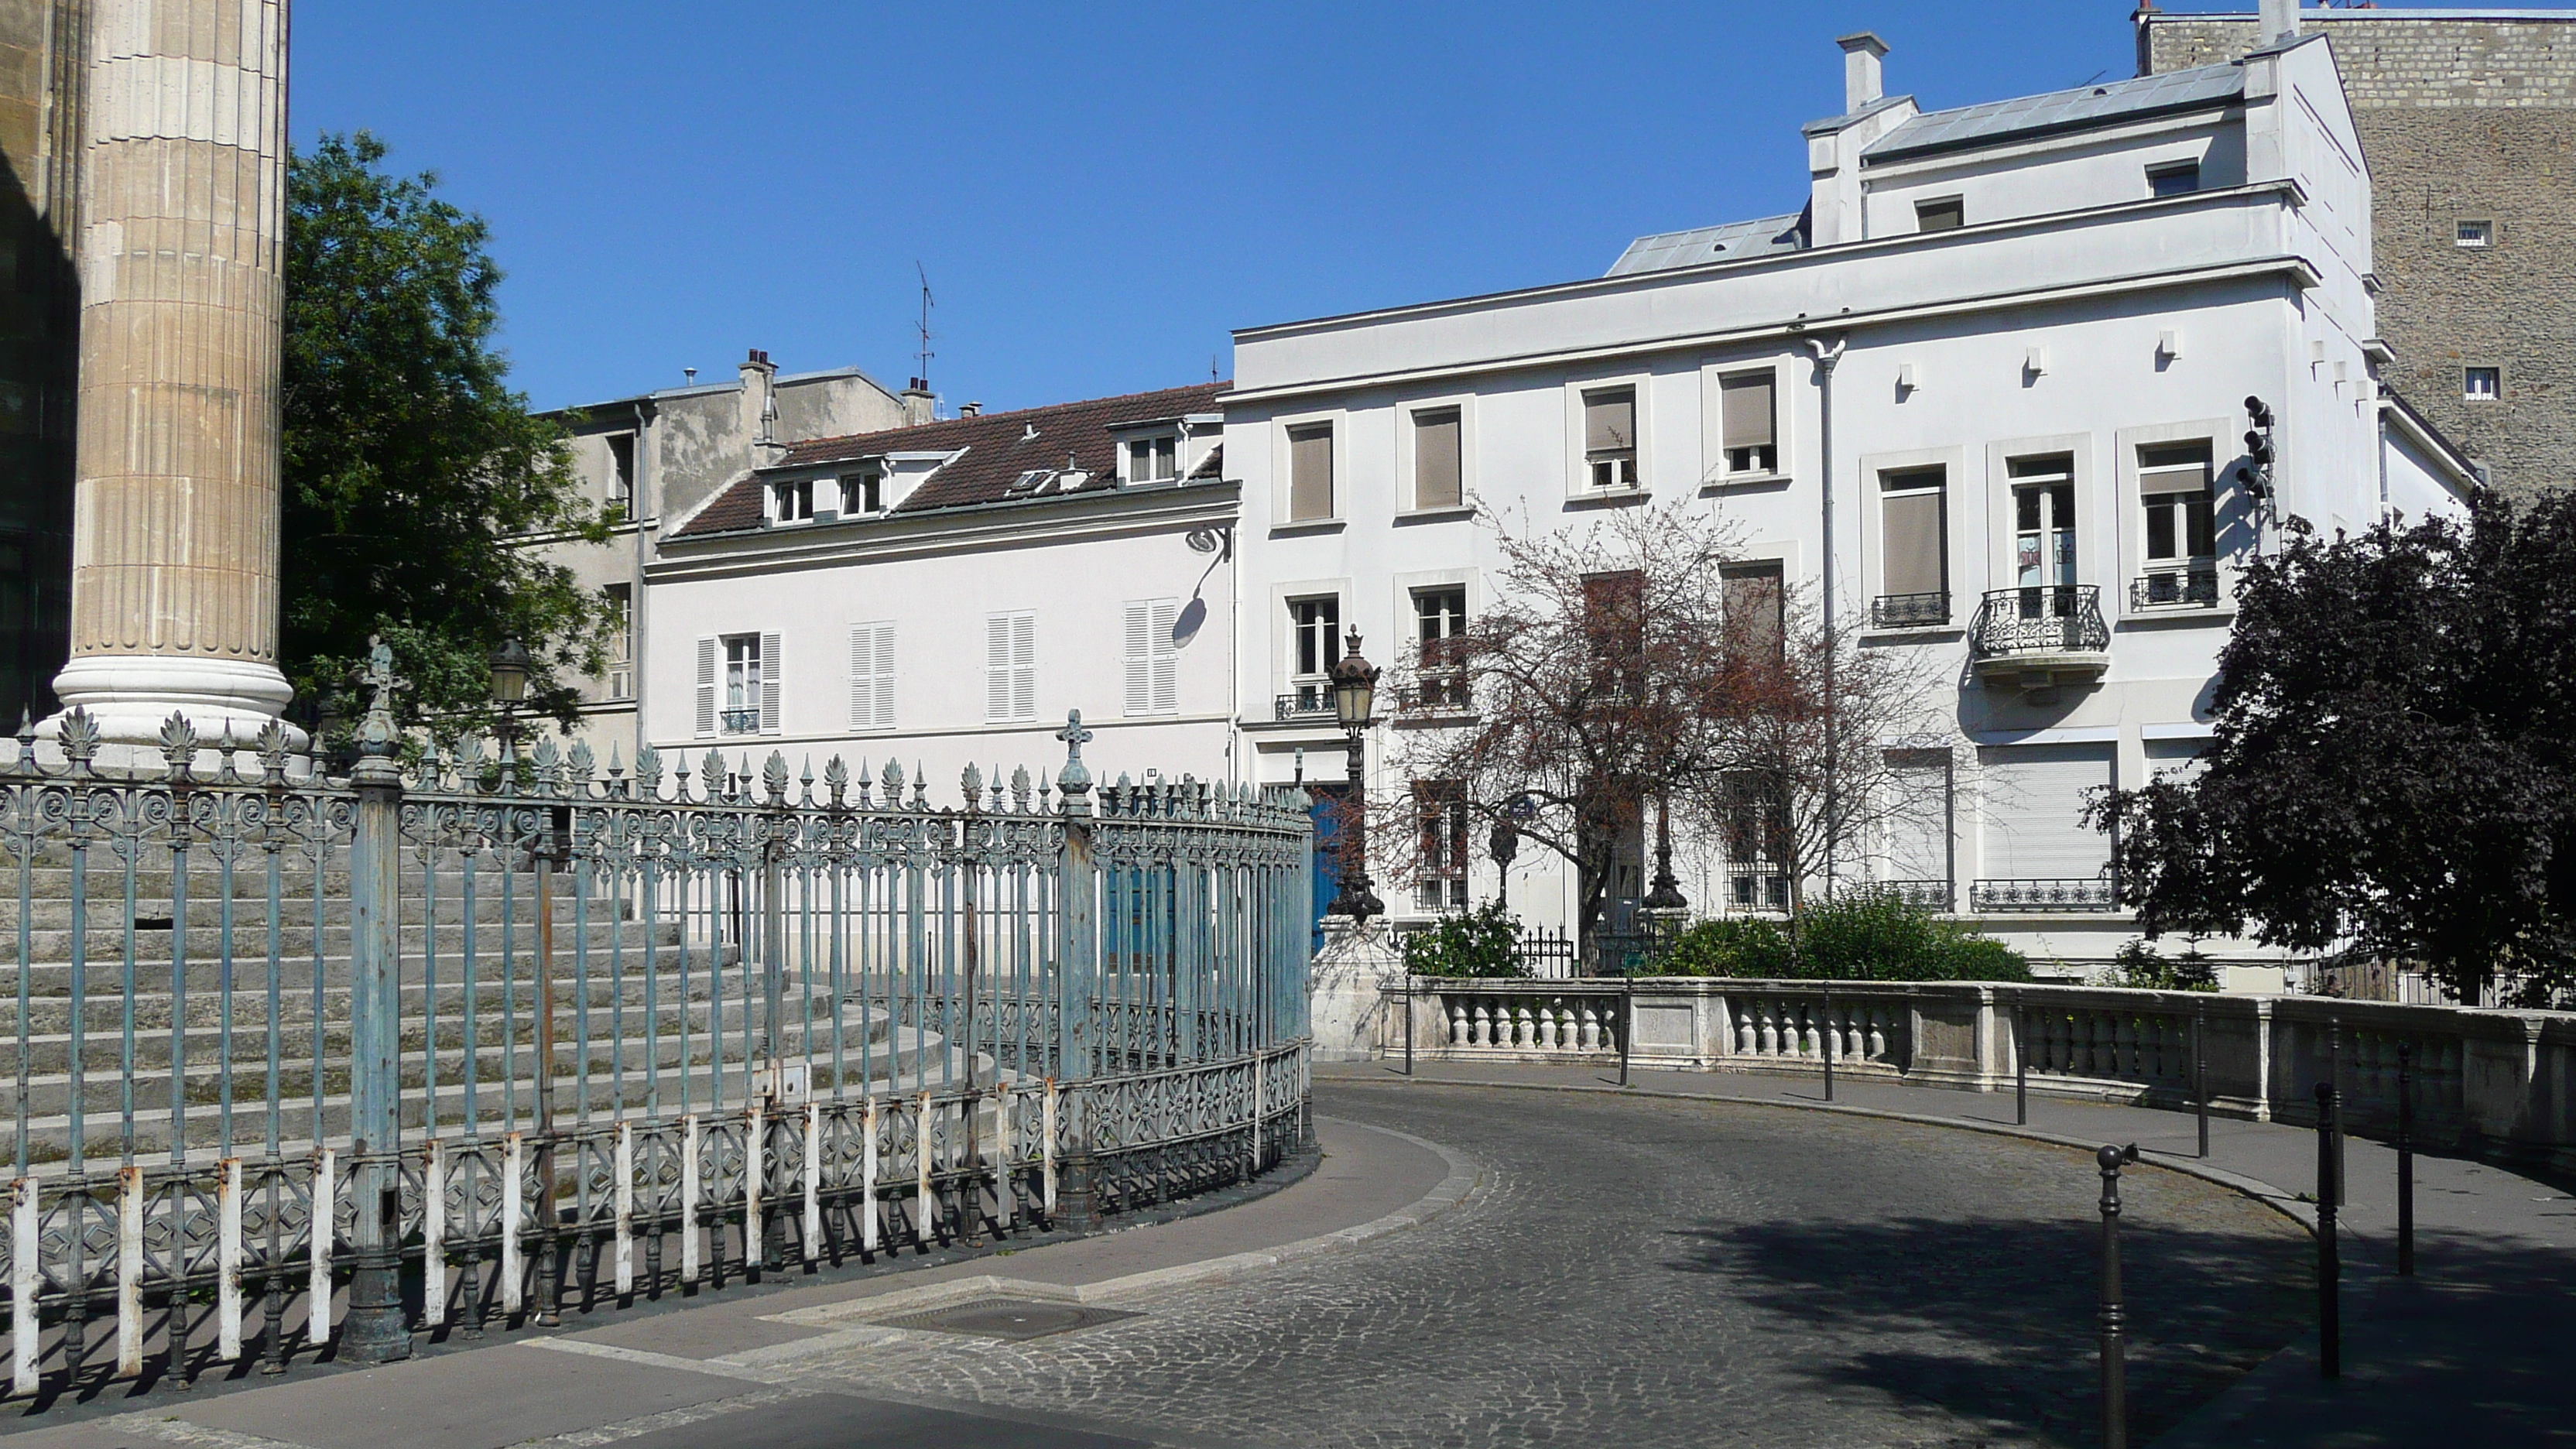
(671, 1418)
(180, 1431)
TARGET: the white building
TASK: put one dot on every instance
(2005, 349)
(941, 594)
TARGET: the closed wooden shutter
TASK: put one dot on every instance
(1436, 459)
(2033, 804)
(770, 663)
(997, 667)
(1310, 472)
(1166, 657)
(1748, 410)
(706, 714)
(872, 676)
(1140, 658)
(1010, 667)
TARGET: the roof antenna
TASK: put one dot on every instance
(925, 354)
(1212, 360)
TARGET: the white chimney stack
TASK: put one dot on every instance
(1862, 85)
(2279, 18)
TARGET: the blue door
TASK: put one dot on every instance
(1323, 803)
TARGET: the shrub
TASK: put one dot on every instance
(1741, 948)
(2142, 967)
(1485, 942)
(1860, 935)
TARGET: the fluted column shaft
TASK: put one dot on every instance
(175, 531)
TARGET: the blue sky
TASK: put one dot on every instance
(1098, 192)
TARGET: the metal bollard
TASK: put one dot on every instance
(1833, 1039)
(2021, 1064)
(2405, 1159)
(2329, 1266)
(1408, 1021)
(2200, 1074)
(2113, 1313)
(1627, 1023)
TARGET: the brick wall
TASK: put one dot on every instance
(2462, 119)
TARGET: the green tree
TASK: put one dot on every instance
(410, 465)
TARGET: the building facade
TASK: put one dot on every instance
(2468, 119)
(2035, 326)
(42, 50)
(662, 455)
(939, 595)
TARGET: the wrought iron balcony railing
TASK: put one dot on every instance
(2088, 893)
(1443, 693)
(2177, 588)
(1909, 611)
(1307, 701)
(1929, 895)
(739, 721)
(2043, 619)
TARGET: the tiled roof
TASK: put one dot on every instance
(1732, 242)
(2078, 109)
(997, 450)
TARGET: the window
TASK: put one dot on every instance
(2174, 486)
(1438, 458)
(1153, 665)
(1753, 825)
(1948, 213)
(1914, 549)
(1917, 829)
(621, 641)
(1153, 460)
(1440, 879)
(1750, 423)
(2177, 180)
(872, 676)
(1610, 437)
(792, 502)
(2483, 384)
(1614, 623)
(863, 493)
(1756, 604)
(1439, 622)
(2475, 234)
(738, 684)
(1310, 472)
(2043, 492)
(621, 471)
(1315, 627)
(1011, 666)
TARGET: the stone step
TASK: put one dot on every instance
(296, 941)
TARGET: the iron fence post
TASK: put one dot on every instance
(1078, 987)
(2329, 1264)
(2113, 1313)
(773, 1007)
(2405, 1159)
(375, 1330)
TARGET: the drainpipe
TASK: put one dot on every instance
(1826, 358)
(635, 629)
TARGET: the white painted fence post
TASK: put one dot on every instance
(433, 1233)
(921, 1161)
(868, 1178)
(813, 1227)
(228, 1262)
(625, 1209)
(692, 1254)
(25, 1276)
(130, 1211)
(514, 1166)
(1047, 1149)
(317, 1291)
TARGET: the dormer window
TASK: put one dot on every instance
(863, 493)
(792, 502)
(1948, 213)
(2179, 179)
(1153, 460)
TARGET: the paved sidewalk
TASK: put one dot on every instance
(2473, 1350)
(663, 1378)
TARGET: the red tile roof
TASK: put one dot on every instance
(998, 449)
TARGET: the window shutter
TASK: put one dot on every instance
(884, 714)
(1912, 543)
(769, 664)
(1610, 420)
(1436, 455)
(872, 677)
(2034, 814)
(1166, 659)
(1140, 658)
(997, 666)
(1918, 825)
(1310, 472)
(706, 719)
(1024, 666)
(1749, 415)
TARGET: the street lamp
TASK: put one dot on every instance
(509, 665)
(1354, 697)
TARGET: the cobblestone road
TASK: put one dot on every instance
(1642, 1272)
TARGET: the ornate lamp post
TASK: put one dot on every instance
(509, 665)
(1354, 698)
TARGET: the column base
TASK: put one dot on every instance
(132, 695)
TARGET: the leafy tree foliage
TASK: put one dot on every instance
(2393, 771)
(1859, 934)
(409, 462)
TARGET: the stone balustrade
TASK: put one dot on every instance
(2496, 1082)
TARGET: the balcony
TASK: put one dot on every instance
(1444, 692)
(2087, 893)
(2036, 639)
(1923, 895)
(739, 721)
(2191, 587)
(1909, 611)
(1310, 702)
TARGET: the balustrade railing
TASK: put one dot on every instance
(2076, 893)
(533, 1026)
(2042, 619)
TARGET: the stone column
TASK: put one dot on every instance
(175, 528)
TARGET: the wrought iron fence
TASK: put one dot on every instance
(1310, 701)
(2046, 619)
(2081, 893)
(1909, 611)
(538, 1027)
(2175, 588)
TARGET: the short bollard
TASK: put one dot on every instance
(1833, 1039)
(2329, 1266)
(2405, 1159)
(2021, 1064)
(1408, 1021)
(1627, 1024)
(2114, 1316)
(2200, 1074)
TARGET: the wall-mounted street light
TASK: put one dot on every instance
(1354, 686)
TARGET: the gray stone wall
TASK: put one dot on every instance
(2462, 119)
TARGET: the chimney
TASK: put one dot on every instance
(1862, 85)
(920, 404)
(971, 410)
(756, 405)
(2279, 18)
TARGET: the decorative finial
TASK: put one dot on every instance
(1074, 780)
(376, 734)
